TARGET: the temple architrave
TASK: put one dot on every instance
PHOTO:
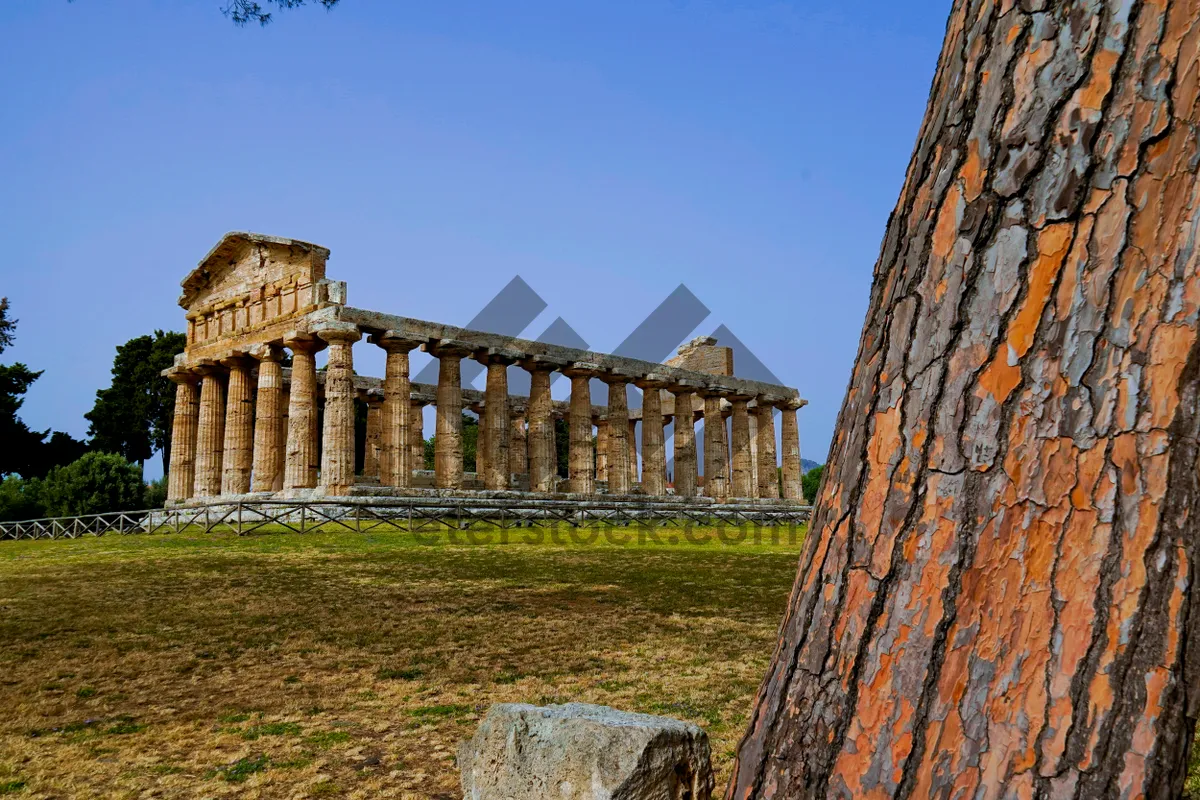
(246, 427)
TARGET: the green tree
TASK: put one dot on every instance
(25, 451)
(132, 417)
(245, 11)
(470, 440)
(20, 498)
(562, 447)
(810, 483)
(156, 493)
(95, 484)
(8, 327)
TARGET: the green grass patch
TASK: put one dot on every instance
(425, 712)
(243, 768)
(271, 729)
(123, 726)
(360, 638)
(12, 786)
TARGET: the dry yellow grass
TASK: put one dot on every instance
(346, 665)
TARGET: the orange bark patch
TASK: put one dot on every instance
(1091, 96)
(945, 234)
(1003, 374)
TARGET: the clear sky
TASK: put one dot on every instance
(603, 150)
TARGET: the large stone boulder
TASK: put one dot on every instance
(583, 752)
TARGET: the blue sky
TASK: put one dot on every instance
(604, 151)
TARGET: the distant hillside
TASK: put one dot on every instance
(806, 465)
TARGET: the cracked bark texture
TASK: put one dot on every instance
(996, 597)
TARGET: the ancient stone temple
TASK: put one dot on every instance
(246, 426)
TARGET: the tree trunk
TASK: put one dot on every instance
(996, 596)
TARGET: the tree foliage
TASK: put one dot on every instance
(95, 484)
(24, 451)
(20, 498)
(242, 12)
(8, 327)
(132, 417)
(810, 482)
(470, 441)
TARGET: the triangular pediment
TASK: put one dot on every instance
(241, 263)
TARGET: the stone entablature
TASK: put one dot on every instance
(703, 354)
(241, 421)
(250, 289)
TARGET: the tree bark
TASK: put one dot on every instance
(996, 597)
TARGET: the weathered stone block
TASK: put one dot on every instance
(584, 752)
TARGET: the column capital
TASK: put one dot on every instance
(769, 400)
(236, 360)
(615, 377)
(267, 352)
(497, 355)
(374, 395)
(303, 342)
(340, 332)
(448, 348)
(715, 389)
(792, 404)
(652, 380)
(583, 369)
(182, 375)
(396, 341)
(684, 386)
(539, 362)
(206, 368)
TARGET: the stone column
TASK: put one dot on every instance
(618, 434)
(518, 442)
(416, 432)
(337, 437)
(448, 453)
(181, 479)
(768, 478)
(743, 461)
(790, 440)
(300, 468)
(581, 478)
(373, 451)
(543, 458)
(268, 420)
(685, 441)
(654, 456)
(396, 439)
(496, 424)
(238, 457)
(716, 448)
(210, 431)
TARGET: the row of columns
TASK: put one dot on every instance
(232, 437)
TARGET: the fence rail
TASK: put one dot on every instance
(413, 513)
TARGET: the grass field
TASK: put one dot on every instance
(347, 665)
